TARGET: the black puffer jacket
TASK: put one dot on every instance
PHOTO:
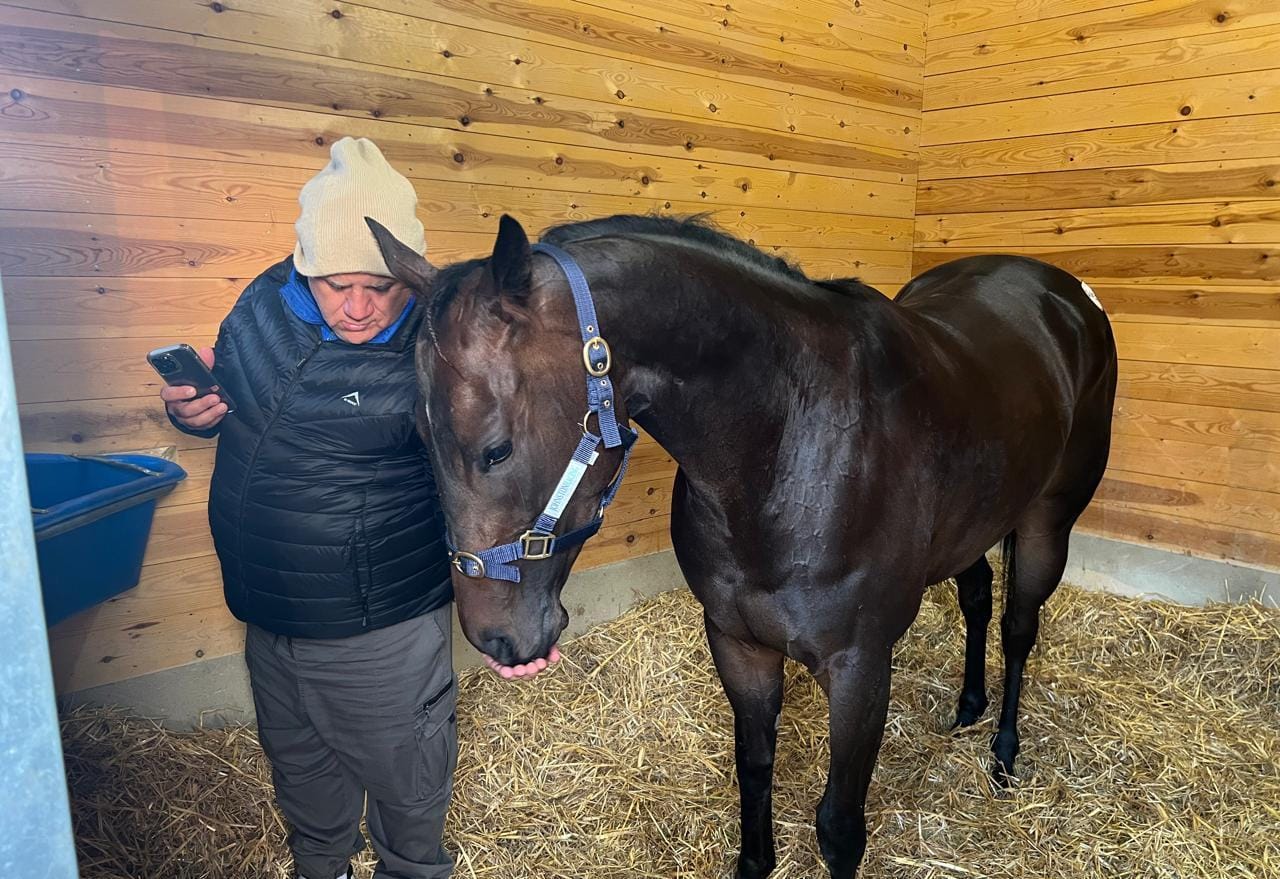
(323, 507)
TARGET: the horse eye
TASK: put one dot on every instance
(497, 455)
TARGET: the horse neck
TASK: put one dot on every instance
(706, 353)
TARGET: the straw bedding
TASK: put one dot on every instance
(1151, 741)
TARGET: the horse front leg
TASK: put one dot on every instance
(857, 685)
(752, 678)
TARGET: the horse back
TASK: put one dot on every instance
(1014, 316)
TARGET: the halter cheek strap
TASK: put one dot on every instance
(540, 541)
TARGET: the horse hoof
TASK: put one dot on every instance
(1002, 777)
(753, 869)
(970, 713)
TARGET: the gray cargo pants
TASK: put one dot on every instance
(373, 712)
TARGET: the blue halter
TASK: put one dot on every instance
(540, 542)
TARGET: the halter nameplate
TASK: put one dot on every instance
(568, 485)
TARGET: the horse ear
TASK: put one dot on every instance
(511, 265)
(404, 263)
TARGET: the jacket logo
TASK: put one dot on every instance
(353, 398)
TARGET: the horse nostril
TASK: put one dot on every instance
(500, 648)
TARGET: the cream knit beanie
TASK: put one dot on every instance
(358, 182)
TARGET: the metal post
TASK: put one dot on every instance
(35, 823)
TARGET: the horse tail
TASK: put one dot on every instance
(1008, 562)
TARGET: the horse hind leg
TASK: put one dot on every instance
(1034, 561)
(974, 587)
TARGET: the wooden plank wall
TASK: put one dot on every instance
(151, 152)
(1136, 144)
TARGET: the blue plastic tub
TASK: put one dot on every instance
(92, 517)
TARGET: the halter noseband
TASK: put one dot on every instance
(539, 542)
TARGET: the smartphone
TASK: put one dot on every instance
(181, 365)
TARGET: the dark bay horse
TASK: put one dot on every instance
(838, 451)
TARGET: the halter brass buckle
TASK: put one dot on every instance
(597, 372)
(459, 557)
(530, 539)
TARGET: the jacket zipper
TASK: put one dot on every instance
(364, 565)
(257, 448)
(360, 565)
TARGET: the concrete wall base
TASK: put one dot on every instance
(1147, 572)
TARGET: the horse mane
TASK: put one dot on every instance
(846, 286)
(698, 229)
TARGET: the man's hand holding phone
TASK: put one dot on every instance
(190, 409)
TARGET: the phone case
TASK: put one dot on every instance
(181, 365)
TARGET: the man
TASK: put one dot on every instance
(329, 532)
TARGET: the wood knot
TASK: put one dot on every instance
(337, 13)
(465, 120)
(644, 179)
(17, 94)
(559, 160)
(1185, 109)
(217, 7)
(459, 158)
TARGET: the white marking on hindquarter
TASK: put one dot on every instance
(1088, 291)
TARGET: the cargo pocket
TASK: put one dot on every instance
(436, 731)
